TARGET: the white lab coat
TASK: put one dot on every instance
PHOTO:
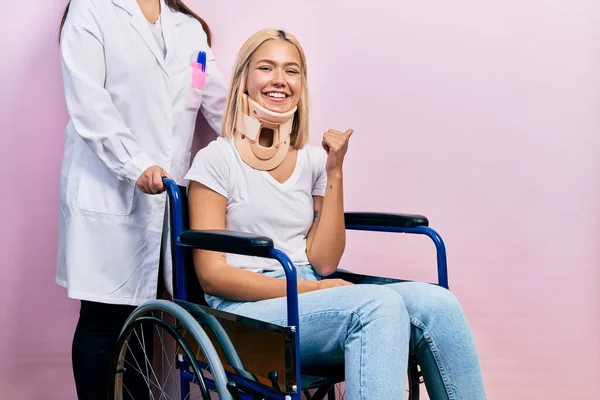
(130, 108)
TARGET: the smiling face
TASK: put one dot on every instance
(274, 76)
(270, 68)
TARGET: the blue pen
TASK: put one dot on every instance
(202, 60)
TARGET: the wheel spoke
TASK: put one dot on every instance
(136, 374)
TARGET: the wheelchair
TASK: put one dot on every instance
(205, 352)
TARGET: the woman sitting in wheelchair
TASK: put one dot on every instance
(261, 177)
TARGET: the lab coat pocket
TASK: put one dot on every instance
(193, 99)
(193, 96)
(100, 190)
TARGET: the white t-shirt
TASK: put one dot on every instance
(259, 204)
(157, 31)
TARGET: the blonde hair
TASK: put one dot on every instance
(299, 135)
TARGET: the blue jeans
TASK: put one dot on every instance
(372, 329)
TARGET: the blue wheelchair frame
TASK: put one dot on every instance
(252, 245)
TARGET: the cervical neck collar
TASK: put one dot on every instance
(254, 121)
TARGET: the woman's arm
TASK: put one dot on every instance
(207, 212)
(326, 240)
(89, 104)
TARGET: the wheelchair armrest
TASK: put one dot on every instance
(227, 242)
(384, 219)
(401, 223)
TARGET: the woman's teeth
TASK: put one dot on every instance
(276, 95)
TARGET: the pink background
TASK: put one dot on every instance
(482, 116)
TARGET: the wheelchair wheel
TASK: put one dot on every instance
(154, 359)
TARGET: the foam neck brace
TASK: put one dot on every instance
(256, 121)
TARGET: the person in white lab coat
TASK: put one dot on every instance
(127, 74)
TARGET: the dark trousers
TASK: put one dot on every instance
(94, 347)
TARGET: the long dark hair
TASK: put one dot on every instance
(176, 5)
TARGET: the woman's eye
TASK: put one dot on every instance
(264, 68)
(292, 71)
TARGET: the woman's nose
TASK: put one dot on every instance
(278, 78)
